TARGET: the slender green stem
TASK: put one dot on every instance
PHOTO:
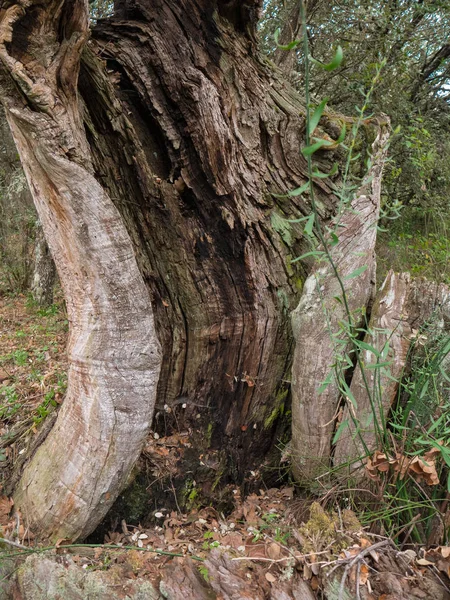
(26, 550)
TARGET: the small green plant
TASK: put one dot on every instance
(46, 406)
(9, 401)
(207, 545)
(421, 417)
(204, 572)
(20, 357)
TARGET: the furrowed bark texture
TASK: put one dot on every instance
(402, 307)
(318, 321)
(44, 274)
(74, 477)
(191, 134)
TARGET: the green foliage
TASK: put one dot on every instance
(413, 91)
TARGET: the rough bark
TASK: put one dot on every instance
(72, 480)
(320, 318)
(191, 135)
(402, 307)
(44, 274)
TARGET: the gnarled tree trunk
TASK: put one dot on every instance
(192, 133)
(189, 132)
(74, 477)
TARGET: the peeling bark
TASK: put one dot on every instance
(317, 321)
(114, 358)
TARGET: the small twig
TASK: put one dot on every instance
(282, 546)
(358, 572)
(436, 572)
(104, 546)
(408, 533)
(296, 556)
(15, 544)
(405, 527)
(264, 559)
(355, 560)
(175, 495)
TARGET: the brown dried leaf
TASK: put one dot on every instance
(363, 574)
(5, 508)
(273, 551)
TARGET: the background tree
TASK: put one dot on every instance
(412, 37)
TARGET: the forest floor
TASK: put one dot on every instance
(273, 544)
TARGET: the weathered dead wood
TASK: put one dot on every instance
(114, 355)
(402, 307)
(45, 577)
(318, 319)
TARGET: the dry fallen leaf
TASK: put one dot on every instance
(271, 578)
(273, 551)
(363, 574)
(5, 508)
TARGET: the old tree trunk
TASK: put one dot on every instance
(153, 151)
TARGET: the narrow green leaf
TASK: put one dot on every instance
(366, 346)
(289, 46)
(348, 393)
(356, 273)
(308, 150)
(315, 253)
(297, 192)
(310, 224)
(334, 239)
(342, 135)
(297, 220)
(339, 431)
(378, 365)
(334, 64)
(314, 120)
(326, 383)
(320, 175)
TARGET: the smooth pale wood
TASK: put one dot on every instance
(389, 324)
(317, 321)
(114, 355)
(402, 307)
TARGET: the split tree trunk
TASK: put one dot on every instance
(191, 134)
(401, 309)
(72, 480)
(321, 321)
